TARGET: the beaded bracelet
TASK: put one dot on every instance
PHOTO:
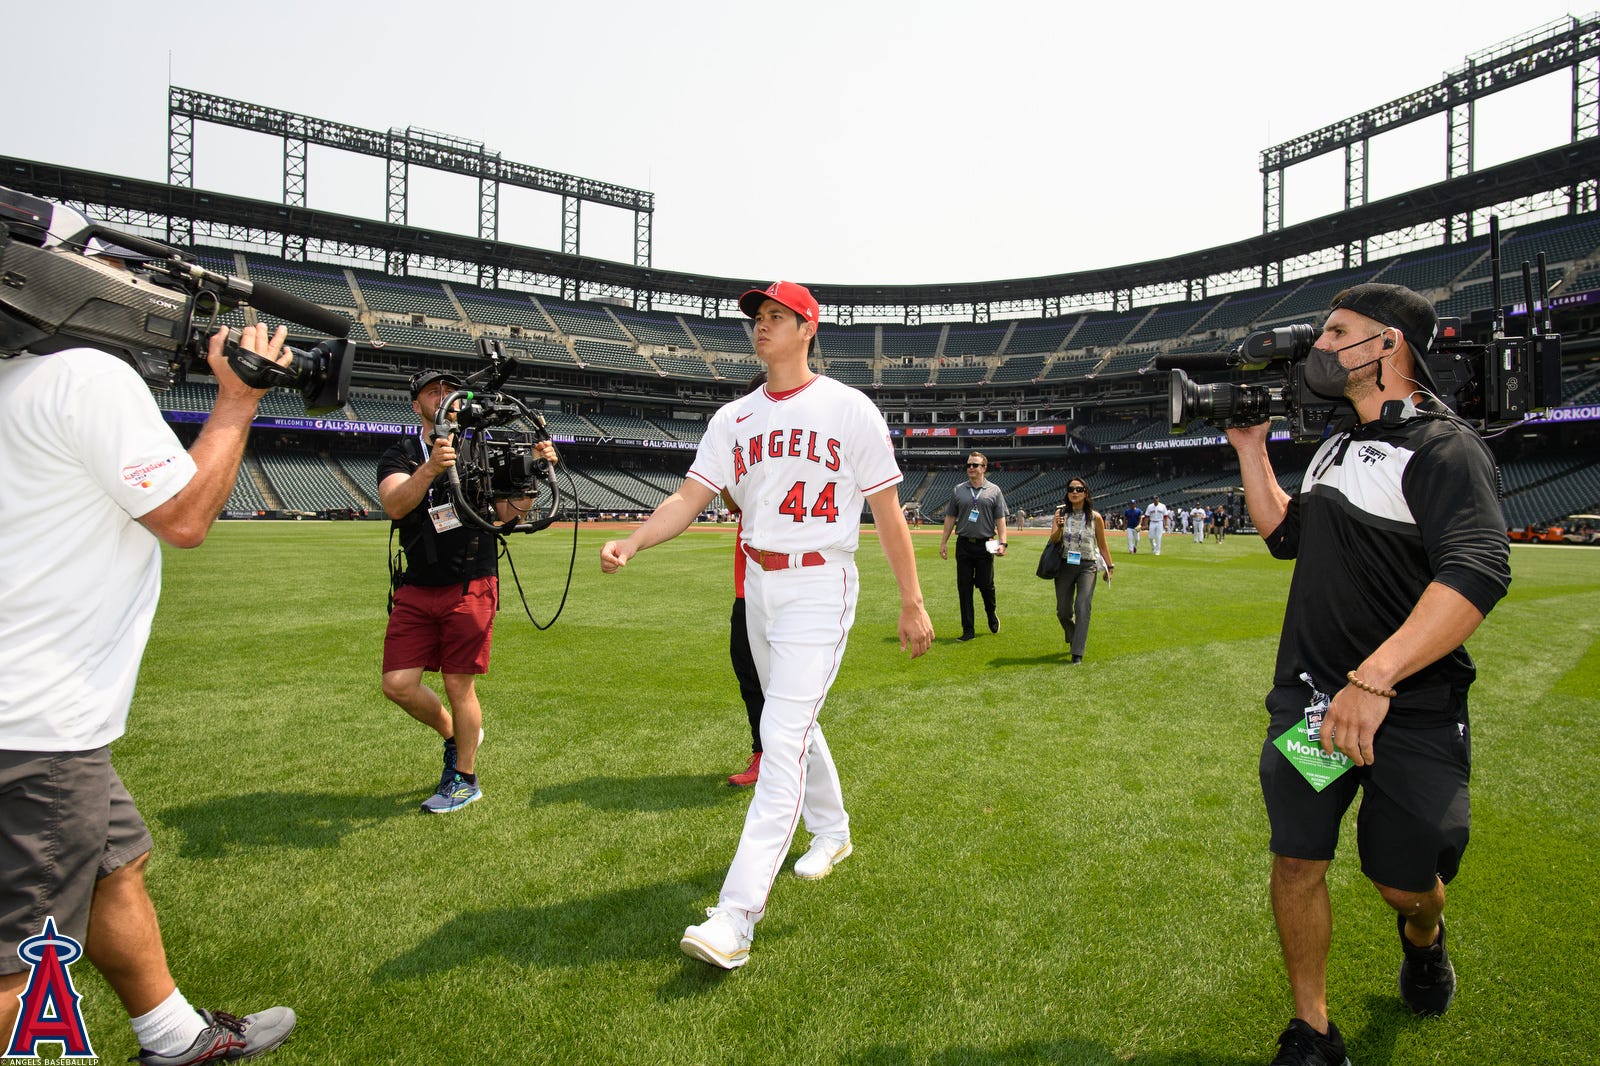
(1386, 693)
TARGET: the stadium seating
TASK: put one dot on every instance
(627, 426)
(430, 300)
(961, 375)
(1167, 323)
(583, 321)
(684, 366)
(1432, 269)
(722, 337)
(326, 285)
(504, 311)
(611, 356)
(1104, 330)
(421, 337)
(303, 481)
(920, 342)
(974, 340)
(1046, 337)
(737, 369)
(903, 376)
(856, 342)
(855, 372)
(663, 330)
(1240, 309)
(1018, 368)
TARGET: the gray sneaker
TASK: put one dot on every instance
(227, 1037)
(453, 795)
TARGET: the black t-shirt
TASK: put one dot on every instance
(1384, 511)
(434, 558)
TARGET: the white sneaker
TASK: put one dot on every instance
(723, 939)
(825, 853)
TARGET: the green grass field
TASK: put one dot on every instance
(1052, 864)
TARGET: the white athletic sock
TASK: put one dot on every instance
(170, 1028)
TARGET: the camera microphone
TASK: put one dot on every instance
(287, 305)
(1199, 361)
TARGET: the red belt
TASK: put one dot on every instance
(780, 561)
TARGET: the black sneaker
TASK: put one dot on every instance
(994, 622)
(967, 636)
(226, 1037)
(1427, 980)
(1301, 1045)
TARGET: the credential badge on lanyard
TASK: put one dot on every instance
(443, 516)
(1074, 556)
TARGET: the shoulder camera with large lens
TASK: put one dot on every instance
(66, 282)
(1489, 385)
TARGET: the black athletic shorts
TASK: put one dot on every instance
(1415, 813)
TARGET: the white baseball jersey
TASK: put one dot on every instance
(799, 464)
(1157, 514)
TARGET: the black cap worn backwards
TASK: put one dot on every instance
(1399, 308)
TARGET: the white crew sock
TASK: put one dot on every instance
(170, 1028)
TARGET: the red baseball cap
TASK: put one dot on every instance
(795, 297)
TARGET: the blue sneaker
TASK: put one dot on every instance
(452, 796)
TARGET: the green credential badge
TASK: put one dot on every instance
(1306, 756)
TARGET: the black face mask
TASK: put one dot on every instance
(1327, 377)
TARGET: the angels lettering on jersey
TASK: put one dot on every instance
(785, 444)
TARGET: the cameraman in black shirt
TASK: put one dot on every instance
(442, 617)
(1401, 551)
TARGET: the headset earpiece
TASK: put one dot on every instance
(1388, 342)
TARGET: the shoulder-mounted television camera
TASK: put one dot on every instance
(1488, 385)
(66, 282)
(494, 462)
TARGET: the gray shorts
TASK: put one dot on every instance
(65, 822)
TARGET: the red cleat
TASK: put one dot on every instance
(751, 772)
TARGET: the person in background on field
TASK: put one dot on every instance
(1081, 532)
(1155, 517)
(744, 663)
(977, 514)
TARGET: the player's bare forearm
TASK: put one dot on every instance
(675, 514)
(915, 627)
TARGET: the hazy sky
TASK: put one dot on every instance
(874, 141)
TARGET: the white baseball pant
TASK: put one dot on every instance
(1156, 530)
(799, 620)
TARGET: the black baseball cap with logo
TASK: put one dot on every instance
(425, 378)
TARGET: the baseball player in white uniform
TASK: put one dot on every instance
(1197, 522)
(1156, 516)
(798, 456)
